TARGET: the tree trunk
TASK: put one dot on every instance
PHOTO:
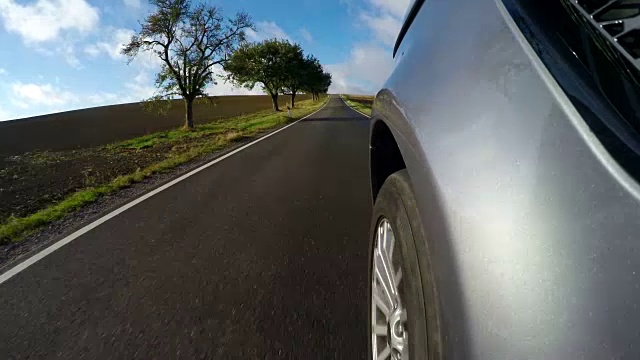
(188, 103)
(293, 99)
(274, 101)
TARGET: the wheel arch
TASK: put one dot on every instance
(385, 157)
(394, 146)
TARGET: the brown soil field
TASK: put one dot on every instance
(30, 181)
(106, 124)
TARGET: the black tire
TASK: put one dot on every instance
(396, 203)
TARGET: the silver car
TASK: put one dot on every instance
(505, 160)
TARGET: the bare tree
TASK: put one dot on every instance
(190, 40)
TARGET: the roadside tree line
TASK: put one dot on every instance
(194, 41)
(280, 67)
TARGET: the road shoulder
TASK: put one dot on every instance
(351, 105)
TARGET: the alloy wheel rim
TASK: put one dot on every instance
(389, 337)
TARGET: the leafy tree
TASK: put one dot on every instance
(296, 72)
(316, 80)
(323, 84)
(268, 63)
(190, 40)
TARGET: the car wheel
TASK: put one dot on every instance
(398, 316)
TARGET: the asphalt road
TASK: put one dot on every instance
(261, 256)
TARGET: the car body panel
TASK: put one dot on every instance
(534, 225)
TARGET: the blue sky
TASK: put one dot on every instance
(59, 55)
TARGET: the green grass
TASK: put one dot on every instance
(356, 105)
(250, 123)
(189, 145)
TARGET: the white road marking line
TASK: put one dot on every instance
(60, 243)
(359, 112)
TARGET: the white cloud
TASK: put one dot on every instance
(135, 4)
(306, 35)
(112, 44)
(140, 88)
(41, 94)
(3, 71)
(41, 97)
(63, 49)
(267, 30)
(57, 22)
(369, 65)
(396, 8)
(341, 84)
(92, 50)
(68, 53)
(385, 27)
(32, 99)
(20, 104)
(45, 20)
(365, 71)
(384, 18)
(227, 88)
(4, 114)
(148, 60)
(103, 98)
(223, 87)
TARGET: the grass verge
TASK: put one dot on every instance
(360, 103)
(185, 145)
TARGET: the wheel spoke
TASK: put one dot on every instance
(397, 278)
(384, 354)
(374, 320)
(383, 272)
(374, 345)
(388, 239)
(405, 351)
(385, 296)
(380, 303)
(380, 330)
